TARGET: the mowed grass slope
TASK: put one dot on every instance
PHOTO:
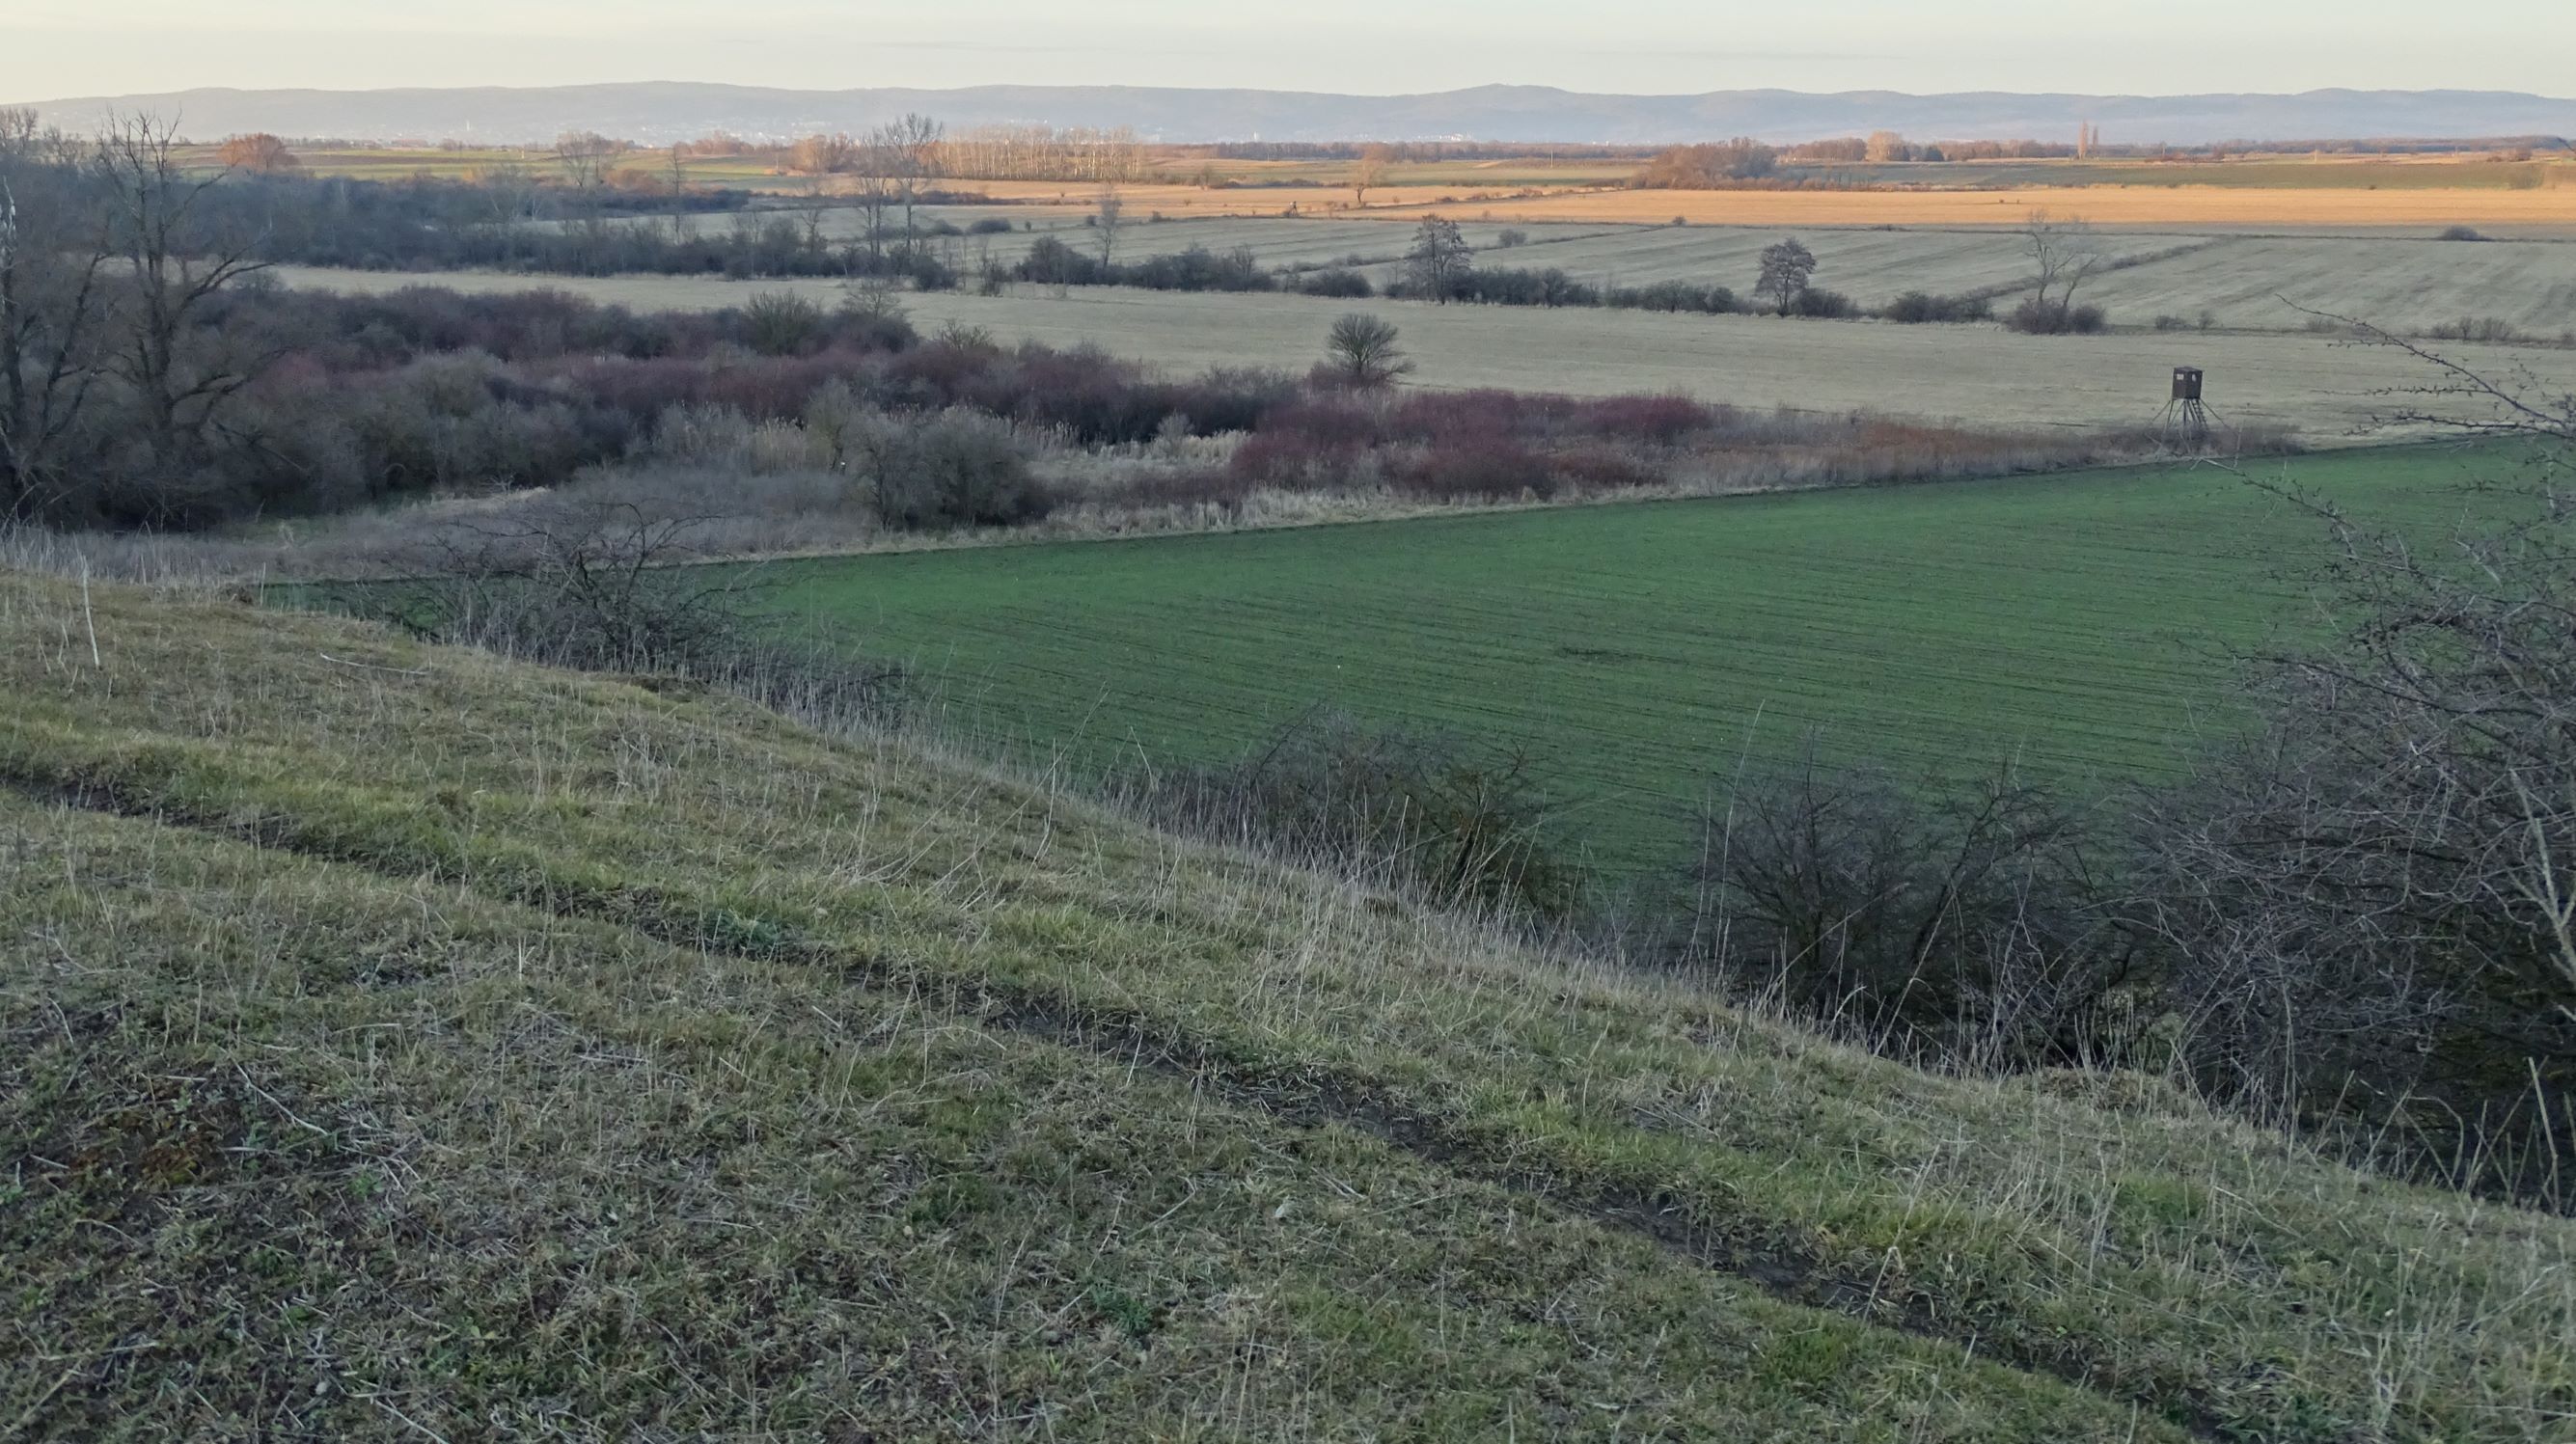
(1639, 655)
(405, 1042)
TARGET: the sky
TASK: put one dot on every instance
(57, 48)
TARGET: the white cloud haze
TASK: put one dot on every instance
(51, 48)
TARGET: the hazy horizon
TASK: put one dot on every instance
(53, 50)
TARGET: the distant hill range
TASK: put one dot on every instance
(663, 111)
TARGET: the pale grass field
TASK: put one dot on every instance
(2403, 284)
(2547, 211)
(2254, 282)
(1977, 374)
(1300, 241)
(1871, 266)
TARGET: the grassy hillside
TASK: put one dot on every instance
(1638, 654)
(401, 1042)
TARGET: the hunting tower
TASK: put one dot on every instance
(2186, 418)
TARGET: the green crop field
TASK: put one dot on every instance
(2077, 622)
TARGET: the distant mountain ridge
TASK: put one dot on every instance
(663, 111)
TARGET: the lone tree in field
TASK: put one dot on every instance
(2063, 254)
(1106, 219)
(1438, 264)
(260, 154)
(1785, 269)
(1361, 351)
(914, 146)
(1369, 172)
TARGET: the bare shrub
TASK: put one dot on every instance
(1338, 282)
(957, 468)
(2374, 902)
(1486, 467)
(2063, 255)
(1361, 351)
(1406, 809)
(2490, 329)
(2039, 318)
(721, 437)
(2371, 904)
(1930, 920)
(605, 586)
(781, 323)
(1916, 308)
(1817, 303)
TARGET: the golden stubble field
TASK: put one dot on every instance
(2331, 390)
(2549, 210)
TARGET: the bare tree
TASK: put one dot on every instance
(1362, 351)
(509, 200)
(111, 259)
(1440, 262)
(913, 144)
(875, 165)
(586, 158)
(54, 251)
(1786, 268)
(1369, 171)
(2063, 255)
(812, 205)
(1105, 222)
(173, 261)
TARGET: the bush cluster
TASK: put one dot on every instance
(2048, 318)
(1916, 308)
(1052, 262)
(367, 398)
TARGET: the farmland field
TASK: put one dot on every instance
(2548, 209)
(1278, 241)
(1972, 373)
(1636, 653)
(2401, 280)
(2243, 280)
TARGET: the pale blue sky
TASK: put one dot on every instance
(60, 48)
